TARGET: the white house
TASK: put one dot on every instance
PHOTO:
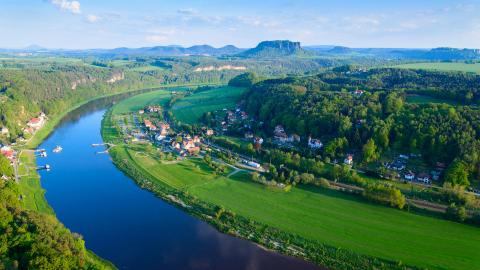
(348, 160)
(314, 143)
(409, 176)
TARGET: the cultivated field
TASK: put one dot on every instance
(444, 67)
(190, 109)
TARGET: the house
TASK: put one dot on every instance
(253, 164)
(141, 111)
(424, 178)
(295, 137)
(7, 152)
(280, 134)
(36, 123)
(348, 160)
(397, 165)
(409, 176)
(209, 132)
(187, 144)
(243, 115)
(258, 140)
(248, 135)
(4, 131)
(160, 137)
(358, 92)
(152, 109)
(148, 124)
(196, 139)
(194, 150)
(314, 143)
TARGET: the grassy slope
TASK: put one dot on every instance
(190, 109)
(140, 101)
(30, 187)
(444, 66)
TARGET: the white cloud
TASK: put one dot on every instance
(70, 6)
(92, 18)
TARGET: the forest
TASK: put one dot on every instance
(366, 112)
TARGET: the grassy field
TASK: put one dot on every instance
(30, 187)
(190, 109)
(421, 99)
(138, 102)
(330, 217)
(444, 66)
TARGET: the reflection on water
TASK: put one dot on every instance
(128, 225)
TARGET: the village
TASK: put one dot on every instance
(152, 124)
(11, 151)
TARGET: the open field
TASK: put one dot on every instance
(138, 102)
(444, 66)
(30, 187)
(330, 217)
(190, 109)
(422, 99)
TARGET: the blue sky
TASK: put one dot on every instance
(135, 23)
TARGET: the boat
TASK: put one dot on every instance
(57, 149)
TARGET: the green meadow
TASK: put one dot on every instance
(440, 66)
(190, 109)
(328, 216)
(138, 102)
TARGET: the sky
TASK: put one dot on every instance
(82, 24)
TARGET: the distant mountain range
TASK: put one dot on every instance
(267, 49)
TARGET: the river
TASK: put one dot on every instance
(128, 225)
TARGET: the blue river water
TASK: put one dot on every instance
(127, 225)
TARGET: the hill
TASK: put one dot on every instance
(274, 49)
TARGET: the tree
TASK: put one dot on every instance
(369, 151)
(457, 173)
(5, 167)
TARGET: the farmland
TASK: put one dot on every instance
(464, 67)
(191, 108)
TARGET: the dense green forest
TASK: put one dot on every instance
(378, 120)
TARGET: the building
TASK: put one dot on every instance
(314, 143)
(209, 132)
(4, 131)
(253, 164)
(280, 135)
(409, 176)
(37, 122)
(358, 92)
(149, 125)
(348, 160)
(424, 178)
(248, 135)
(7, 152)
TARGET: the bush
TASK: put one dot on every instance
(385, 194)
